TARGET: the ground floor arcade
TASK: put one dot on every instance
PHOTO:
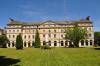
(83, 43)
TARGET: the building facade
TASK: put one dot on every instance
(51, 32)
(1, 31)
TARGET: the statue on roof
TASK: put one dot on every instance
(88, 18)
(11, 19)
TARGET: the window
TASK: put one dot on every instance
(29, 31)
(29, 36)
(55, 31)
(49, 43)
(13, 36)
(54, 35)
(43, 25)
(55, 43)
(33, 43)
(33, 31)
(62, 43)
(49, 35)
(24, 44)
(62, 36)
(25, 37)
(44, 43)
(90, 29)
(89, 35)
(29, 44)
(43, 30)
(43, 35)
(62, 30)
(9, 44)
(49, 31)
(13, 44)
(55, 25)
(33, 36)
(90, 42)
(82, 42)
(66, 43)
(13, 30)
(9, 30)
(17, 30)
(86, 42)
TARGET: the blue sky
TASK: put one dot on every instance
(42, 10)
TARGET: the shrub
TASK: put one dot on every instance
(37, 40)
(3, 41)
(19, 42)
(45, 47)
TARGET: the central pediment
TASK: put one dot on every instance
(49, 22)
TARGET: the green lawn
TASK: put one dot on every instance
(51, 57)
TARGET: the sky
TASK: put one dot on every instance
(43, 10)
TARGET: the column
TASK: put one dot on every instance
(11, 44)
(88, 42)
(7, 45)
(26, 44)
(84, 43)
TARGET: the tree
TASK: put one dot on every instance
(75, 35)
(37, 40)
(97, 38)
(3, 41)
(19, 42)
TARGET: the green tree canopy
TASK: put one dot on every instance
(19, 42)
(3, 40)
(97, 38)
(75, 34)
(37, 40)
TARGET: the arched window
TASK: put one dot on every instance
(44, 43)
(90, 42)
(66, 43)
(24, 44)
(55, 43)
(13, 44)
(62, 43)
(29, 44)
(49, 43)
(82, 42)
(9, 44)
(86, 42)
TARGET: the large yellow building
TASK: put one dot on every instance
(51, 32)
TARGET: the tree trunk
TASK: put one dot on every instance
(76, 43)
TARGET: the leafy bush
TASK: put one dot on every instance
(45, 47)
(3, 41)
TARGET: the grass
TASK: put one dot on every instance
(51, 57)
